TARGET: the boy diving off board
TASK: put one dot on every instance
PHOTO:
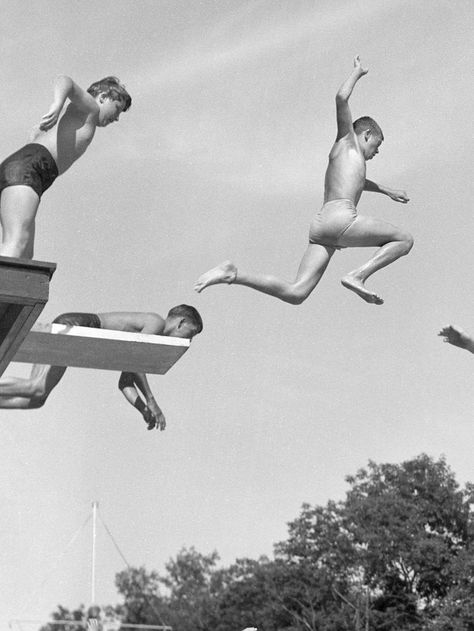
(58, 141)
(182, 321)
(337, 225)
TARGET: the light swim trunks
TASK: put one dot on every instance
(330, 223)
(32, 165)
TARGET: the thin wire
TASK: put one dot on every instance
(113, 541)
(147, 600)
(72, 540)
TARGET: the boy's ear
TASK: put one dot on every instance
(367, 134)
(181, 322)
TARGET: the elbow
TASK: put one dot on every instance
(64, 79)
(341, 97)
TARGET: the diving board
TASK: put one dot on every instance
(85, 347)
(24, 291)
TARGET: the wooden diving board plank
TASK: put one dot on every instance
(85, 347)
(24, 291)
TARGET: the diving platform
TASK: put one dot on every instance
(104, 349)
(24, 291)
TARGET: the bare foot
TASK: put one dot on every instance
(357, 286)
(226, 272)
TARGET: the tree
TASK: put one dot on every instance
(143, 603)
(192, 583)
(76, 617)
(321, 589)
(409, 524)
(396, 554)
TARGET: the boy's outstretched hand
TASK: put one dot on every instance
(93, 624)
(398, 196)
(358, 65)
(456, 336)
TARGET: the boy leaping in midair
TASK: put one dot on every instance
(58, 141)
(337, 225)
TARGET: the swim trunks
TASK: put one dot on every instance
(330, 223)
(91, 320)
(32, 165)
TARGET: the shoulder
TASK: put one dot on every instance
(152, 322)
(348, 141)
(88, 115)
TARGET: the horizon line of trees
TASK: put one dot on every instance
(395, 555)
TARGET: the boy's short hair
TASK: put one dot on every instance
(93, 611)
(113, 89)
(366, 123)
(186, 311)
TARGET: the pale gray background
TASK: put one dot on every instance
(223, 155)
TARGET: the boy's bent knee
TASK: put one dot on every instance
(408, 242)
(37, 402)
(38, 392)
(295, 297)
(14, 248)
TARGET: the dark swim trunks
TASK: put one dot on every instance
(32, 165)
(91, 320)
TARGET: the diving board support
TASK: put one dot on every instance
(85, 347)
(24, 291)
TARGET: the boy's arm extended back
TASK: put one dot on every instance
(396, 195)
(66, 88)
(343, 112)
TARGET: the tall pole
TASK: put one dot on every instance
(94, 532)
(367, 610)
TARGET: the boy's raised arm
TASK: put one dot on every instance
(66, 88)
(344, 116)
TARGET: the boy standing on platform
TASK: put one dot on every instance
(58, 141)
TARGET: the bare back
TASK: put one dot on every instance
(345, 174)
(69, 139)
(133, 322)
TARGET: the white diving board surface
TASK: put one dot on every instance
(85, 347)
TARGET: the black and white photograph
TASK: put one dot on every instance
(236, 315)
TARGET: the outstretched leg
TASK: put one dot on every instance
(18, 206)
(16, 392)
(312, 267)
(366, 232)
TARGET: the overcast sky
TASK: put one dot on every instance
(222, 155)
